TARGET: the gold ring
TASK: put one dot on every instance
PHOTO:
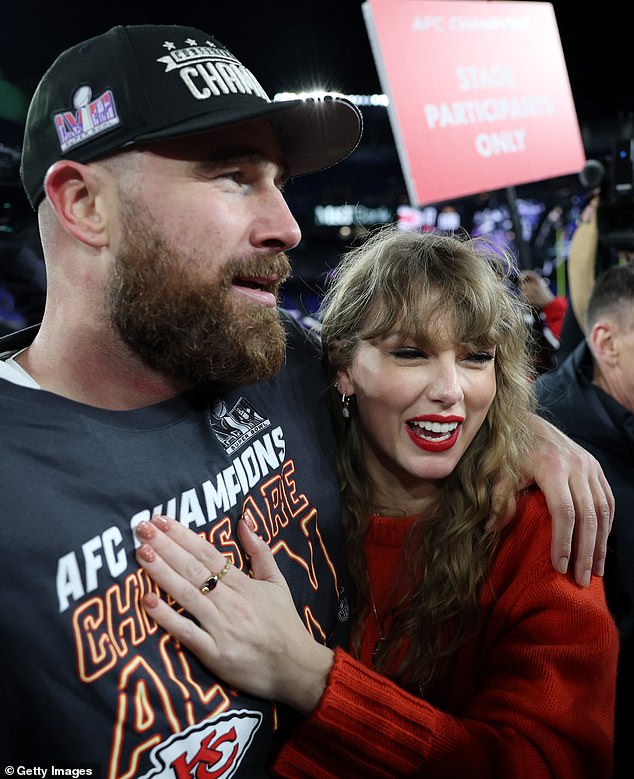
(211, 583)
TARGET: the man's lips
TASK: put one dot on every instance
(259, 289)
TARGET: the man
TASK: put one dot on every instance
(156, 163)
(153, 385)
(538, 293)
(591, 398)
(22, 274)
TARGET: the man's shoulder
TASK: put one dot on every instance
(301, 326)
(555, 388)
(301, 378)
(561, 384)
(302, 337)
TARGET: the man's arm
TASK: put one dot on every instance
(582, 258)
(579, 499)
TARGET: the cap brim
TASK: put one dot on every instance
(312, 134)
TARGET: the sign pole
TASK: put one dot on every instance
(523, 249)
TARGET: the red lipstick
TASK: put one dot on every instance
(433, 432)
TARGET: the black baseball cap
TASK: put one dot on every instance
(140, 83)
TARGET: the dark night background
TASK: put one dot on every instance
(293, 45)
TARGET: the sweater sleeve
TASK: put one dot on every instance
(533, 697)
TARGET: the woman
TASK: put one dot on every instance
(496, 665)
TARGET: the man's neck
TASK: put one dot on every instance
(107, 377)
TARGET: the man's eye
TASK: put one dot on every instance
(234, 175)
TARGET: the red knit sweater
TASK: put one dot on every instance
(532, 696)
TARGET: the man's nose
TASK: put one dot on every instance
(275, 226)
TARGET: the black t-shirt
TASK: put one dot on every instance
(87, 677)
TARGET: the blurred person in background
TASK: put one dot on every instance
(590, 397)
(545, 318)
(22, 271)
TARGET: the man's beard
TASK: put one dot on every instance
(188, 326)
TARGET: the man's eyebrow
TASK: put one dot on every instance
(236, 155)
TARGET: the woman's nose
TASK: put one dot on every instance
(445, 386)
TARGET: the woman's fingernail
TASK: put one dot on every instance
(161, 523)
(147, 553)
(150, 600)
(249, 522)
(563, 564)
(144, 530)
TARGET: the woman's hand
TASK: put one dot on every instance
(579, 499)
(250, 634)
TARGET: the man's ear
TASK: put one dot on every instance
(73, 190)
(604, 342)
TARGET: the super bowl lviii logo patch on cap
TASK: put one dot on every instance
(89, 118)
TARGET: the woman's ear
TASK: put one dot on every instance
(343, 381)
(73, 190)
(345, 385)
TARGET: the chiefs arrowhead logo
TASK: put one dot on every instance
(213, 748)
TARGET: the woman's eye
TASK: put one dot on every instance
(408, 353)
(480, 357)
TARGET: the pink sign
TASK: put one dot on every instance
(479, 94)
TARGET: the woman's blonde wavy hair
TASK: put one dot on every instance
(406, 282)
